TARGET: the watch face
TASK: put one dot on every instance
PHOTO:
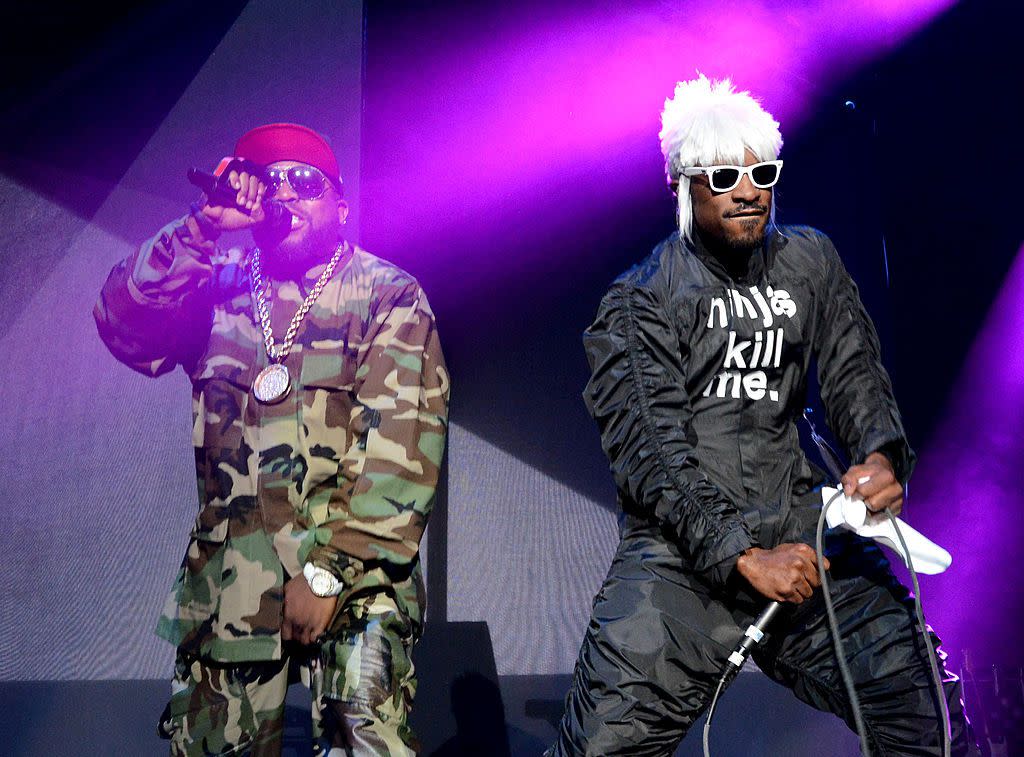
(321, 584)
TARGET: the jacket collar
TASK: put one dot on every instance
(757, 262)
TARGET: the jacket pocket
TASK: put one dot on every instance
(327, 380)
(220, 407)
(203, 567)
(327, 368)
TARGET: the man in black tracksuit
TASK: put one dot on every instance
(699, 359)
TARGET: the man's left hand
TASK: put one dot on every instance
(306, 615)
(875, 481)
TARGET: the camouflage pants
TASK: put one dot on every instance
(362, 682)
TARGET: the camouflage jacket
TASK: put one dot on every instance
(341, 473)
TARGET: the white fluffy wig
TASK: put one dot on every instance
(709, 123)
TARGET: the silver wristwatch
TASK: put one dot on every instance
(322, 582)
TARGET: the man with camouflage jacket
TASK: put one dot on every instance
(320, 412)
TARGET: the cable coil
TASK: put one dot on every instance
(729, 673)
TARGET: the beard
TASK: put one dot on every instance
(750, 234)
(284, 257)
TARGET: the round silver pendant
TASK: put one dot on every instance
(272, 384)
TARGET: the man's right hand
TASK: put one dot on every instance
(250, 190)
(787, 573)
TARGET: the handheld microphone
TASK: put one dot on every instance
(219, 192)
(751, 638)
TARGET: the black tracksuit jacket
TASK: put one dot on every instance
(698, 380)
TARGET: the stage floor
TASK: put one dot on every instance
(119, 718)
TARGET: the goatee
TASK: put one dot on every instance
(750, 237)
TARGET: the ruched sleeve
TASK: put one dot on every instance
(637, 394)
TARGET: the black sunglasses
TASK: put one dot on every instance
(307, 182)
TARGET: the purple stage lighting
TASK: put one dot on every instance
(967, 491)
(516, 102)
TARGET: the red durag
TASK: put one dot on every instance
(273, 142)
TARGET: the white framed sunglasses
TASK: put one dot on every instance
(726, 178)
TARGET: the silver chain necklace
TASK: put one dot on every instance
(273, 382)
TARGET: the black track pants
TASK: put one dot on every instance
(659, 635)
